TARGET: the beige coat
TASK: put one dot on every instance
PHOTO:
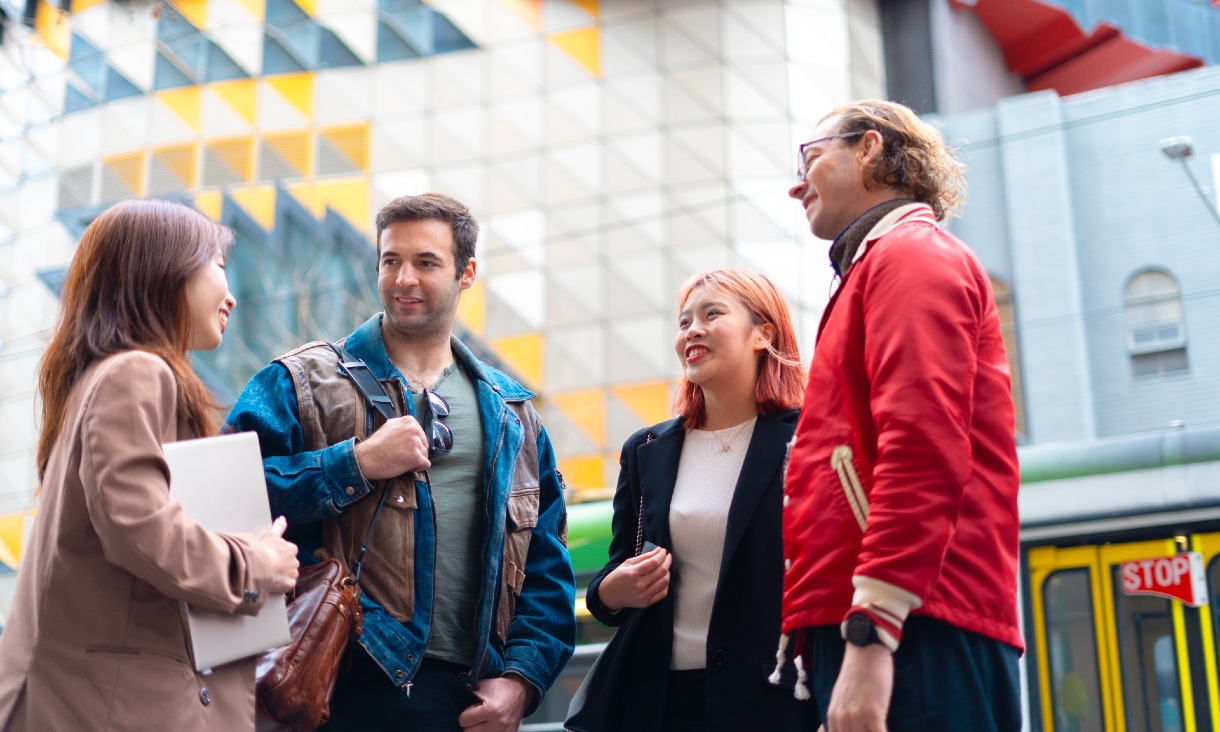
(95, 638)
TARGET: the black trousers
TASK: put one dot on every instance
(945, 678)
(686, 701)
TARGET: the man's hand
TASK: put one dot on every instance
(861, 697)
(638, 582)
(398, 446)
(501, 706)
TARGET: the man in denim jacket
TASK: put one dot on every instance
(467, 584)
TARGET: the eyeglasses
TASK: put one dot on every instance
(802, 165)
(441, 436)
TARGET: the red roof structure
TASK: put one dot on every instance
(1047, 47)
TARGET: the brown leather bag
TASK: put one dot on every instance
(295, 681)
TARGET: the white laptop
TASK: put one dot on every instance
(219, 482)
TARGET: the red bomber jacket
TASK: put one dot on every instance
(901, 492)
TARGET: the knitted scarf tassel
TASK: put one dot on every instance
(781, 657)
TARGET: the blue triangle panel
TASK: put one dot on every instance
(88, 64)
(391, 46)
(277, 60)
(446, 37)
(220, 66)
(171, 26)
(168, 76)
(416, 27)
(119, 86)
(80, 49)
(282, 13)
(301, 40)
(53, 278)
(333, 52)
(75, 100)
(397, 6)
(192, 52)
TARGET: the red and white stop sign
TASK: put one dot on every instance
(1179, 577)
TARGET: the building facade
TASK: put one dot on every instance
(608, 149)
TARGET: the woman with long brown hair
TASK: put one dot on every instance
(95, 637)
(700, 610)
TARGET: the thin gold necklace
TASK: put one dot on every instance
(726, 445)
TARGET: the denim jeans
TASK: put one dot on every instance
(366, 701)
(945, 678)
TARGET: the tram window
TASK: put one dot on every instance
(1072, 651)
(1149, 662)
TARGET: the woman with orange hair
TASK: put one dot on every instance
(95, 637)
(706, 490)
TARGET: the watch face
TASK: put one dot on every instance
(860, 630)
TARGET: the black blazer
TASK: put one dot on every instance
(745, 625)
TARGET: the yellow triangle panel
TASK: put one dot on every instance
(584, 46)
(587, 410)
(309, 6)
(185, 102)
(648, 400)
(523, 354)
(259, 202)
(297, 89)
(128, 168)
(528, 10)
(180, 160)
(352, 141)
(209, 203)
(257, 8)
(12, 527)
(349, 199)
(240, 94)
(583, 473)
(52, 25)
(235, 153)
(195, 11)
(79, 6)
(293, 147)
(472, 309)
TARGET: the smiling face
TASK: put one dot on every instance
(210, 302)
(833, 193)
(418, 280)
(717, 340)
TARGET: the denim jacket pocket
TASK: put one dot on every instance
(388, 573)
(520, 520)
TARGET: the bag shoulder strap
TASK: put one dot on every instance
(360, 374)
(358, 371)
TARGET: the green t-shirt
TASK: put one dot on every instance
(457, 492)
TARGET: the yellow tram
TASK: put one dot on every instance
(1121, 545)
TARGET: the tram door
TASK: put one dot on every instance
(1115, 662)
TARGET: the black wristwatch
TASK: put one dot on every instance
(860, 631)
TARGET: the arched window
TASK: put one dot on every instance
(1008, 328)
(1156, 333)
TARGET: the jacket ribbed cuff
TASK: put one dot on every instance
(885, 604)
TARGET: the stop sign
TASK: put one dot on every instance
(1179, 577)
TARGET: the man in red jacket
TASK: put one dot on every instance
(900, 531)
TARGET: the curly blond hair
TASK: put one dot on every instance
(914, 158)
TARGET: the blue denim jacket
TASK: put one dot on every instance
(308, 488)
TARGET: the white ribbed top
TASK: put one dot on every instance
(698, 515)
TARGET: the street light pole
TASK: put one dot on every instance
(1181, 148)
